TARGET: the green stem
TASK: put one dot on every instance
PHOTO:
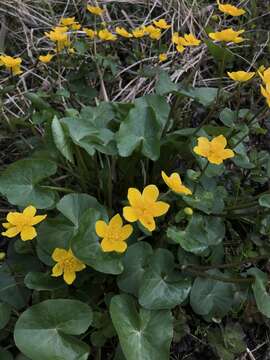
(58, 188)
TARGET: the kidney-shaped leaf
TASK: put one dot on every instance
(44, 331)
(135, 261)
(162, 287)
(143, 334)
(261, 295)
(20, 183)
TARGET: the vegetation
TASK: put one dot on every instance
(134, 180)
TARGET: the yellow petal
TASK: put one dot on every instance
(150, 193)
(37, 219)
(219, 142)
(166, 178)
(7, 225)
(130, 214)
(148, 222)
(30, 211)
(101, 228)
(69, 277)
(116, 222)
(175, 177)
(184, 190)
(11, 232)
(126, 231)
(78, 265)
(203, 147)
(120, 246)
(28, 233)
(14, 217)
(107, 245)
(57, 270)
(59, 254)
(159, 208)
(227, 154)
(134, 197)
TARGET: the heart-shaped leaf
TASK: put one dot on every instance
(162, 287)
(44, 331)
(139, 331)
(5, 311)
(42, 281)
(20, 183)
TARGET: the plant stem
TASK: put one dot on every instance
(58, 188)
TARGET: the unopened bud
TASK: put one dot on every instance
(2, 255)
(188, 211)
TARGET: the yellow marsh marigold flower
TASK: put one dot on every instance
(230, 9)
(162, 24)
(67, 21)
(162, 57)
(67, 264)
(153, 32)
(241, 76)
(22, 223)
(96, 10)
(264, 74)
(46, 58)
(266, 93)
(11, 63)
(213, 150)
(123, 32)
(106, 35)
(144, 206)
(90, 33)
(189, 40)
(59, 36)
(75, 26)
(139, 32)
(174, 182)
(114, 234)
(227, 35)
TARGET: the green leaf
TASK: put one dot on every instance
(11, 290)
(86, 246)
(5, 311)
(42, 281)
(5, 355)
(37, 101)
(264, 200)
(44, 331)
(206, 201)
(139, 330)
(186, 240)
(259, 289)
(164, 84)
(219, 53)
(204, 95)
(228, 117)
(20, 183)
(142, 128)
(135, 261)
(162, 287)
(211, 296)
(61, 140)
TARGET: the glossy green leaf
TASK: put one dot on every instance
(20, 183)
(45, 330)
(164, 84)
(211, 296)
(86, 246)
(162, 287)
(219, 53)
(5, 311)
(142, 128)
(61, 139)
(139, 330)
(135, 262)
(261, 295)
(42, 281)
(204, 95)
(264, 200)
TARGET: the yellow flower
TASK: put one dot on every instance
(75, 26)
(213, 150)
(12, 64)
(114, 234)
(96, 10)
(190, 40)
(264, 74)
(228, 35)
(67, 21)
(22, 223)
(123, 32)
(46, 58)
(153, 32)
(230, 9)
(67, 264)
(144, 207)
(162, 57)
(174, 182)
(162, 24)
(139, 32)
(90, 33)
(180, 48)
(266, 93)
(241, 76)
(106, 35)
(59, 36)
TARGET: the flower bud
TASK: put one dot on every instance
(2, 255)
(188, 211)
